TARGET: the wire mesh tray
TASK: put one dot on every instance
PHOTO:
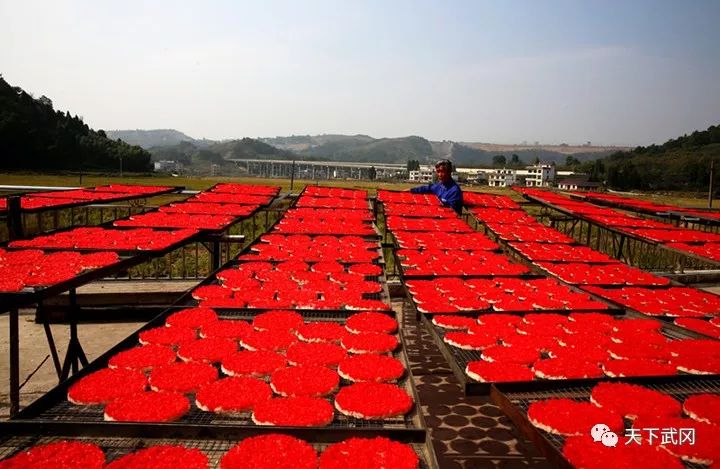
(458, 360)
(116, 447)
(516, 404)
(53, 409)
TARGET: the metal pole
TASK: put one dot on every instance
(710, 186)
(14, 362)
(14, 219)
(292, 176)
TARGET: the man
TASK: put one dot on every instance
(446, 189)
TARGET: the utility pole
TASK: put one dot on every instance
(121, 172)
(292, 175)
(710, 186)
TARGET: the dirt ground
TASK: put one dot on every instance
(35, 354)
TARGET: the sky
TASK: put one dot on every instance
(505, 71)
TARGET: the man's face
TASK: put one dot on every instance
(442, 173)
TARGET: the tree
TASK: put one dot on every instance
(499, 160)
(372, 173)
(515, 159)
(413, 165)
(571, 161)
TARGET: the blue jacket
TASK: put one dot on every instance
(449, 194)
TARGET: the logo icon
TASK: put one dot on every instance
(601, 433)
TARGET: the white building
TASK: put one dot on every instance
(502, 177)
(422, 175)
(540, 175)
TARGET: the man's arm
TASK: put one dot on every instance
(426, 189)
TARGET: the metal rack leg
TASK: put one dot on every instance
(14, 362)
(75, 355)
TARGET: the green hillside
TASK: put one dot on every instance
(153, 138)
(367, 149)
(34, 136)
(678, 164)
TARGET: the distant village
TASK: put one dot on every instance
(537, 175)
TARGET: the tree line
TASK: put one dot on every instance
(34, 136)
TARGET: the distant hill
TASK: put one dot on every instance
(467, 156)
(155, 138)
(34, 136)
(359, 148)
(682, 163)
(249, 148)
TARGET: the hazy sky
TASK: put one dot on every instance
(612, 72)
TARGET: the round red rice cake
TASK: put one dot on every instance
(182, 377)
(193, 318)
(207, 350)
(272, 340)
(582, 451)
(143, 358)
(633, 401)
(568, 367)
(371, 367)
(293, 412)
(270, 452)
(703, 408)
(279, 320)
(697, 364)
(65, 454)
(637, 367)
(703, 450)
(307, 381)
(369, 453)
(162, 456)
(466, 341)
(148, 407)
(369, 342)
(567, 417)
(453, 321)
(226, 329)
(373, 400)
(258, 363)
(232, 395)
(520, 354)
(321, 332)
(323, 354)
(105, 385)
(498, 372)
(164, 335)
(371, 322)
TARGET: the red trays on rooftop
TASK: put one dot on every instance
(537, 252)
(455, 225)
(235, 210)
(427, 211)
(673, 301)
(331, 202)
(439, 240)
(96, 238)
(33, 268)
(178, 220)
(495, 215)
(528, 233)
(232, 188)
(607, 274)
(501, 294)
(387, 197)
(334, 192)
(436, 262)
(346, 249)
(475, 199)
(675, 235)
(231, 198)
